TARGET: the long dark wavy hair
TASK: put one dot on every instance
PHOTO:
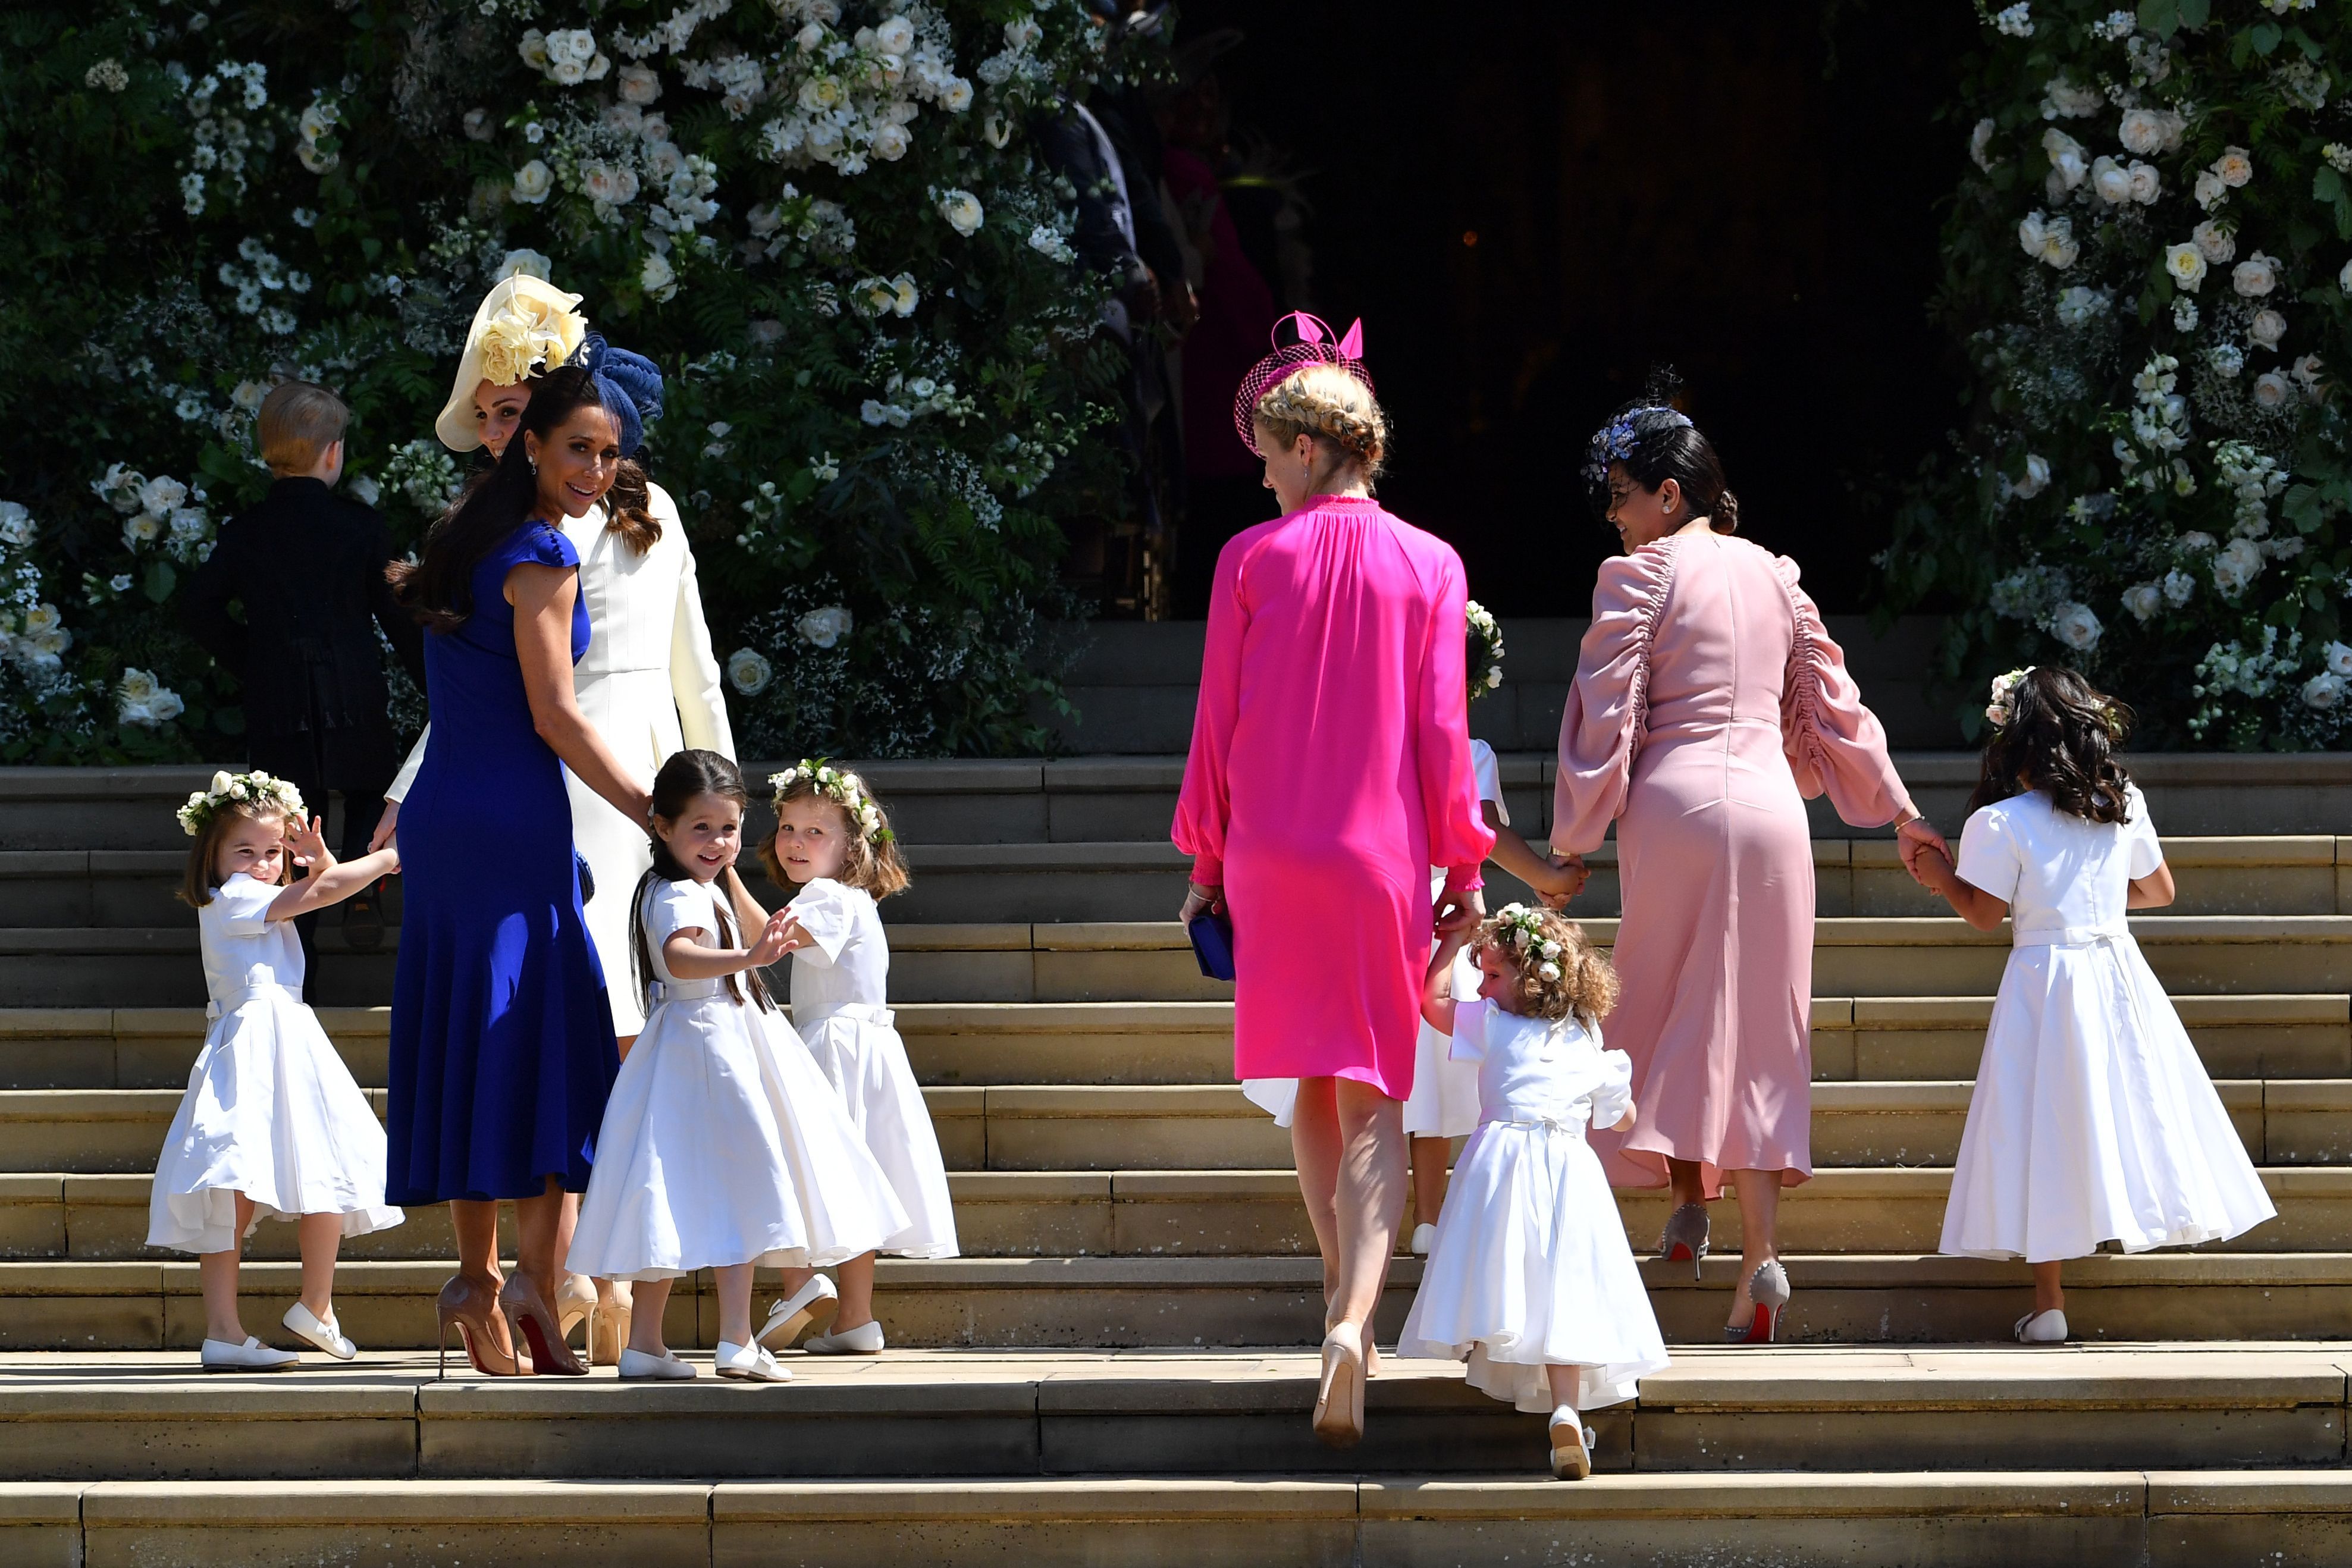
(438, 589)
(686, 774)
(1654, 441)
(2060, 738)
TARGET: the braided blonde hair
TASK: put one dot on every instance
(1323, 401)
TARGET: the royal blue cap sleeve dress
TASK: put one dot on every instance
(502, 1047)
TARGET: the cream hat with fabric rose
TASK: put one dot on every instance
(525, 325)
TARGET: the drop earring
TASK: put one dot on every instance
(534, 465)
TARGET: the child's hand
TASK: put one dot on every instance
(1570, 875)
(1456, 924)
(1932, 868)
(306, 841)
(775, 940)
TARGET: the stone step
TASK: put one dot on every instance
(50, 1216)
(1886, 1039)
(1151, 961)
(84, 1418)
(1950, 1518)
(1113, 1303)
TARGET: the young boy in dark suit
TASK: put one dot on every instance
(307, 565)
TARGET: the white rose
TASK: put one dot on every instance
(526, 264)
(2186, 265)
(2075, 626)
(2111, 180)
(2323, 692)
(955, 95)
(568, 73)
(2033, 235)
(656, 276)
(2034, 480)
(654, 127)
(2337, 657)
(2234, 166)
(2236, 565)
(2306, 373)
(138, 685)
(2078, 305)
(2179, 587)
(162, 494)
(2213, 242)
(895, 36)
(144, 528)
(1020, 34)
(477, 125)
(2065, 157)
(2255, 276)
(2143, 600)
(2267, 328)
(640, 84)
(890, 142)
(824, 628)
(2142, 131)
(532, 48)
(16, 523)
(2272, 390)
(1980, 140)
(962, 211)
(2147, 184)
(904, 297)
(2197, 541)
(603, 183)
(532, 183)
(2209, 190)
(998, 132)
(748, 672)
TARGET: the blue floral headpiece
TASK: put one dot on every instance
(1614, 442)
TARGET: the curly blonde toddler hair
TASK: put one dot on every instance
(1532, 940)
(1326, 402)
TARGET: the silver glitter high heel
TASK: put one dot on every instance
(1769, 1288)
(1685, 1236)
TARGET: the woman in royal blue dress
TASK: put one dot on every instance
(502, 1047)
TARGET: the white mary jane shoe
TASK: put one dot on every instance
(223, 1356)
(809, 1309)
(748, 1363)
(1571, 1445)
(327, 1335)
(2041, 1327)
(1424, 1236)
(865, 1339)
(637, 1366)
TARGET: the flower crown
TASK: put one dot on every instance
(1485, 650)
(1529, 945)
(1614, 442)
(2003, 687)
(843, 788)
(239, 789)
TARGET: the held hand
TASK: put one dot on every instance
(385, 826)
(775, 940)
(1915, 836)
(1572, 875)
(1931, 866)
(1455, 926)
(1457, 903)
(1198, 900)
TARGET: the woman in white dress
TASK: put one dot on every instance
(2093, 1119)
(649, 681)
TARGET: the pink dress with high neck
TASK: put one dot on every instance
(1710, 704)
(1331, 769)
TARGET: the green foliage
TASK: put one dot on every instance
(2146, 268)
(823, 219)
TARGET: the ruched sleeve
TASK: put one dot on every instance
(1600, 724)
(543, 544)
(1459, 838)
(1834, 744)
(1204, 804)
(824, 909)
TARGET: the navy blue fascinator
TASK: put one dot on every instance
(629, 384)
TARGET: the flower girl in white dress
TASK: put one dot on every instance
(722, 1147)
(272, 1126)
(1530, 1278)
(833, 844)
(2093, 1120)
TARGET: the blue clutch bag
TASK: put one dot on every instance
(1213, 944)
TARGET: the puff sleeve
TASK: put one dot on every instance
(1600, 725)
(2144, 850)
(1469, 1042)
(823, 909)
(1990, 859)
(674, 906)
(240, 906)
(1834, 744)
(1459, 838)
(1612, 1097)
(1204, 804)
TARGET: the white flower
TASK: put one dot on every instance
(2075, 626)
(143, 700)
(120, 582)
(2272, 390)
(2016, 22)
(2236, 565)
(748, 672)
(161, 493)
(2111, 180)
(655, 128)
(2143, 600)
(998, 131)
(137, 686)
(16, 523)
(2255, 276)
(2148, 131)
(477, 125)
(525, 264)
(823, 627)
(955, 95)
(2196, 541)
(1021, 34)
(2184, 315)
(2306, 373)
(890, 142)
(2078, 305)
(2214, 242)
(107, 76)
(2186, 265)
(2323, 692)
(656, 276)
(2337, 657)
(608, 182)
(2235, 167)
(2147, 184)
(2210, 191)
(1547, 971)
(639, 84)
(2061, 98)
(895, 36)
(2179, 587)
(1980, 140)
(533, 182)
(2266, 329)
(962, 211)
(2227, 359)
(2034, 480)
(2066, 157)
(903, 294)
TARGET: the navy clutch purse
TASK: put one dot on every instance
(1213, 944)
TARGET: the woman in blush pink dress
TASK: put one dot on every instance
(1709, 703)
(1331, 769)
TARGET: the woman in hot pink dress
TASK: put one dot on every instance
(1708, 705)
(1331, 769)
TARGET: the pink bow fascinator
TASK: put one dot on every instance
(1315, 344)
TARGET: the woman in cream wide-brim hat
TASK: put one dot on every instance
(649, 681)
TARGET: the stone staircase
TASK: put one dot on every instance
(1119, 1370)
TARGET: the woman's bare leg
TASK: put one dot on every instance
(1315, 1148)
(1684, 1183)
(1369, 1197)
(477, 1225)
(540, 1232)
(1759, 1214)
(1429, 1158)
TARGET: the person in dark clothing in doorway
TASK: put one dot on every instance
(306, 566)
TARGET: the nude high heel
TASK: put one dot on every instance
(608, 1330)
(1339, 1396)
(526, 1310)
(1685, 1237)
(467, 1305)
(575, 1302)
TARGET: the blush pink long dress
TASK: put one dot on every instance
(1331, 769)
(1710, 704)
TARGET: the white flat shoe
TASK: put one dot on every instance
(865, 1339)
(220, 1356)
(2041, 1327)
(809, 1309)
(748, 1363)
(637, 1365)
(1572, 1446)
(328, 1335)
(1424, 1236)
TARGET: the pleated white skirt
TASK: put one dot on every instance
(859, 1051)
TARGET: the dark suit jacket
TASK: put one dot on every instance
(308, 564)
